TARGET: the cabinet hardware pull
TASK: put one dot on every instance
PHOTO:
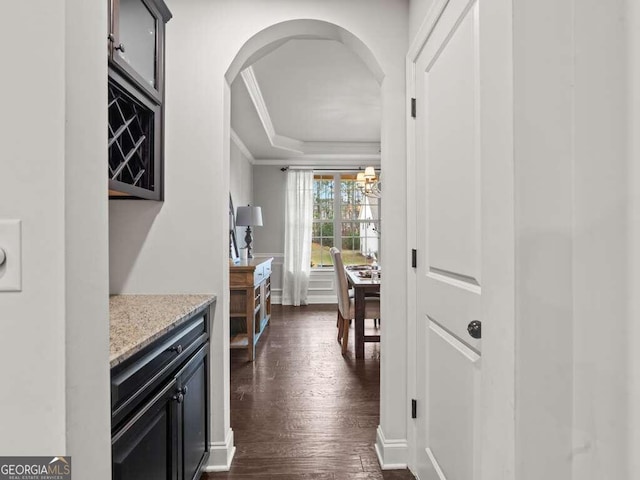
(180, 393)
(111, 38)
(178, 397)
(177, 349)
(120, 47)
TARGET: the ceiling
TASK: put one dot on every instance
(308, 102)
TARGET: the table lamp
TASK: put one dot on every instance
(249, 217)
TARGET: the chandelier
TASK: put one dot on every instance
(369, 183)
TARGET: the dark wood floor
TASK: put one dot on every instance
(302, 410)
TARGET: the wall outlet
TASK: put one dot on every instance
(11, 244)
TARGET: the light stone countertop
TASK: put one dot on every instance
(138, 320)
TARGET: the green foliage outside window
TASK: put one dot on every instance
(351, 220)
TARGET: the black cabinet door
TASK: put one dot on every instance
(193, 382)
(146, 447)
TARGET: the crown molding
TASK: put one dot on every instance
(242, 147)
(318, 161)
(342, 148)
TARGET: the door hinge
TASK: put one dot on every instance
(413, 108)
(414, 258)
(414, 408)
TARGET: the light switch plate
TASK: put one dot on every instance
(11, 243)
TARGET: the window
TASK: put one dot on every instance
(343, 216)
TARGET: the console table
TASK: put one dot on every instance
(250, 302)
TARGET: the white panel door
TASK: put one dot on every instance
(452, 260)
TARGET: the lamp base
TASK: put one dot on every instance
(248, 240)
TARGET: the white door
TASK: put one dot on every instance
(460, 243)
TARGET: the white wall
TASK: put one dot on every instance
(572, 245)
(601, 244)
(543, 123)
(53, 130)
(633, 300)
(180, 245)
(33, 319)
(632, 20)
(573, 320)
(241, 186)
(269, 191)
(88, 406)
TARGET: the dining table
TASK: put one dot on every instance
(365, 282)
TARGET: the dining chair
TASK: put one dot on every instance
(346, 304)
(340, 320)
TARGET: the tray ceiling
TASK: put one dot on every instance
(308, 100)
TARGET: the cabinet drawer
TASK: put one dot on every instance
(258, 275)
(267, 269)
(240, 279)
(140, 376)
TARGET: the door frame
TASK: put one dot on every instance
(497, 411)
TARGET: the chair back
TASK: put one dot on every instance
(341, 282)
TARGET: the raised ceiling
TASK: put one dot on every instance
(307, 102)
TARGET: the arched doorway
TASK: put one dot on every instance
(392, 405)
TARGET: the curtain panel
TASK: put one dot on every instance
(297, 241)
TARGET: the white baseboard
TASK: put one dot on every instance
(321, 299)
(221, 454)
(392, 454)
(276, 299)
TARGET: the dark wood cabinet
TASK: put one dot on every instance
(192, 414)
(160, 407)
(146, 448)
(136, 98)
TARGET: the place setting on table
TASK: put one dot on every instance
(364, 272)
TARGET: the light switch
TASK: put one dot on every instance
(11, 245)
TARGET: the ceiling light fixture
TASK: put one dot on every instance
(369, 183)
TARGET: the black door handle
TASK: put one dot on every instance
(475, 329)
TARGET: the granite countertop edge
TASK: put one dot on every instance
(135, 345)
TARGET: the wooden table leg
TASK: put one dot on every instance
(359, 336)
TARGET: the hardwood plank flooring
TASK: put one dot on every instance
(302, 410)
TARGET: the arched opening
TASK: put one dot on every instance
(271, 38)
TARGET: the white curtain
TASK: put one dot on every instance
(297, 237)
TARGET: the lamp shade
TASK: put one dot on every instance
(369, 172)
(249, 216)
